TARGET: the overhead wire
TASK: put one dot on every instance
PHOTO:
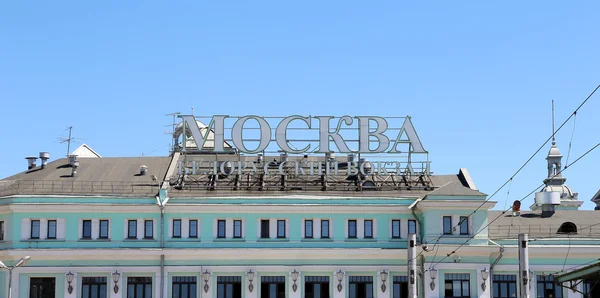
(526, 162)
(504, 212)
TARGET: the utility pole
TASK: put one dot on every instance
(524, 265)
(412, 266)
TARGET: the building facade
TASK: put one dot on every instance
(154, 227)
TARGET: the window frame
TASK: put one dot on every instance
(83, 229)
(362, 284)
(498, 280)
(100, 229)
(396, 235)
(139, 280)
(265, 229)
(224, 230)
(146, 221)
(444, 232)
(55, 229)
(90, 281)
(353, 235)
(278, 281)
(311, 229)
(370, 229)
(414, 222)
(281, 234)
(1, 230)
(38, 229)
(179, 281)
(235, 226)
(450, 279)
(325, 230)
(195, 229)
(129, 230)
(178, 220)
(464, 224)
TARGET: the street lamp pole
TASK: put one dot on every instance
(23, 261)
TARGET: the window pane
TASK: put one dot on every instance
(132, 233)
(148, 233)
(456, 288)
(221, 229)
(308, 228)
(324, 228)
(465, 288)
(281, 229)
(193, 228)
(395, 229)
(368, 228)
(52, 229)
(177, 228)
(264, 228)
(103, 229)
(352, 228)
(447, 225)
(464, 225)
(35, 229)
(412, 226)
(237, 228)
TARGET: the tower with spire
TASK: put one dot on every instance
(555, 182)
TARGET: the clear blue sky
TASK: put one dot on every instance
(477, 77)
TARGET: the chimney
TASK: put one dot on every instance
(31, 162)
(143, 170)
(74, 166)
(44, 156)
(72, 159)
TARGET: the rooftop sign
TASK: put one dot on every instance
(301, 134)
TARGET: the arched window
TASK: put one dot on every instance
(567, 228)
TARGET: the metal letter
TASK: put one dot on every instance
(265, 134)
(216, 124)
(413, 139)
(364, 134)
(325, 134)
(281, 134)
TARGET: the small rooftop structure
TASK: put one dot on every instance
(85, 151)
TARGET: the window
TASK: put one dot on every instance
(87, 229)
(229, 287)
(412, 226)
(308, 228)
(400, 287)
(93, 287)
(546, 288)
(35, 229)
(139, 287)
(567, 228)
(42, 287)
(352, 228)
(51, 229)
(464, 225)
(184, 287)
(281, 228)
(132, 229)
(1, 230)
(325, 228)
(590, 289)
(272, 287)
(148, 229)
(368, 228)
(103, 233)
(177, 228)
(264, 228)
(457, 285)
(193, 228)
(316, 287)
(237, 228)
(396, 228)
(221, 228)
(361, 287)
(447, 225)
(504, 286)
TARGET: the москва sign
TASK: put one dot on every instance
(369, 130)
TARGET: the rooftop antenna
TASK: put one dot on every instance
(192, 110)
(553, 139)
(174, 114)
(69, 139)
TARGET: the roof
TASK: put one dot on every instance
(589, 272)
(95, 176)
(505, 226)
(120, 176)
(85, 151)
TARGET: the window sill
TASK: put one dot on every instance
(94, 240)
(138, 240)
(317, 240)
(229, 240)
(43, 240)
(361, 240)
(397, 240)
(273, 240)
(185, 240)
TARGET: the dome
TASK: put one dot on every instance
(566, 193)
(554, 152)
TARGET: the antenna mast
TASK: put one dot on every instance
(68, 140)
(553, 139)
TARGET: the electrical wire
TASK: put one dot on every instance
(571, 141)
(567, 256)
(504, 212)
(527, 162)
